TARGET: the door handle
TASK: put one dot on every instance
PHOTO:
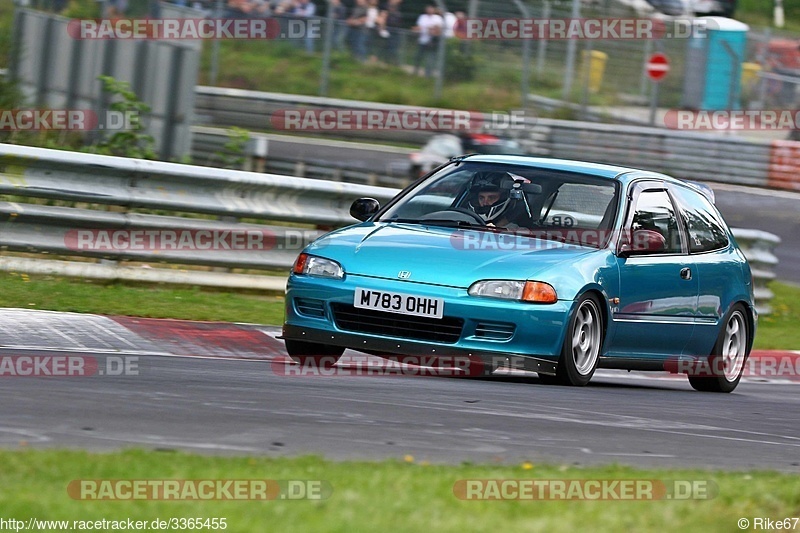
(686, 273)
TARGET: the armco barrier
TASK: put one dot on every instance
(757, 246)
(719, 157)
(27, 172)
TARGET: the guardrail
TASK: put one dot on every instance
(719, 156)
(758, 247)
(121, 234)
(125, 186)
(306, 157)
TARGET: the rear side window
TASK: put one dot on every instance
(706, 231)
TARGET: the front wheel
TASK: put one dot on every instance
(582, 345)
(312, 354)
(725, 365)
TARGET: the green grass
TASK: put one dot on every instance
(759, 13)
(191, 303)
(781, 329)
(281, 67)
(776, 331)
(394, 495)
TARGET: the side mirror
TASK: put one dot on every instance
(363, 208)
(642, 242)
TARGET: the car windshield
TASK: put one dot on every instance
(502, 197)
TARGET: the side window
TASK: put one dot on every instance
(654, 212)
(706, 232)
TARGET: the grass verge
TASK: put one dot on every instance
(154, 301)
(777, 331)
(385, 496)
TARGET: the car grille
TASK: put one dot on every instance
(495, 331)
(350, 318)
(310, 307)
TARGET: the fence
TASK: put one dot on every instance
(556, 68)
(129, 185)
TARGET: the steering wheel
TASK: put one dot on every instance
(467, 215)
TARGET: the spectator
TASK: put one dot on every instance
(356, 22)
(393, 21)
(374, 25)
(260, 9)
(305, 10)
(339, 15)
(460, 26)
(449, 25)
(115, 8)
(429, 26)
(238, 9)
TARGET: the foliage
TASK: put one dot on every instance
(232, 153)
(82, 9)
(129, 142)
(460, 61)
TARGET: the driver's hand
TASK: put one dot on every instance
(490, 224)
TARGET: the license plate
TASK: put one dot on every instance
(395, 302)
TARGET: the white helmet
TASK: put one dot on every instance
(489, 182)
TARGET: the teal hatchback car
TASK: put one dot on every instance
(552, 266)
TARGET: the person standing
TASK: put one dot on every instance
(429, 26)
(305, 10)
(356, 22)
(393, 37)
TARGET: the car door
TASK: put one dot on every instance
(717, 265)
(658, 290)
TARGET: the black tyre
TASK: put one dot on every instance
(312, 354)
(725, 365)
(582, 345)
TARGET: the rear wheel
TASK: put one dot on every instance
(582, 345)
(725, 365)
(312, 354)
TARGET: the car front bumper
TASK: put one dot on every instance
(534, 344)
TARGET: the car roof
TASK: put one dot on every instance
(602, 170)
(596, 169)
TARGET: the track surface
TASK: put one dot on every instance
(222, 405)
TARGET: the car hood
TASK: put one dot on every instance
(441, 255)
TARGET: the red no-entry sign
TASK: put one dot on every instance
(657, 66)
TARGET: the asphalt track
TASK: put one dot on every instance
(223, 389)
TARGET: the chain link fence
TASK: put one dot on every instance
(569, 78)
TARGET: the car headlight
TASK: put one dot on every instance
(525, 291)
(311, 265)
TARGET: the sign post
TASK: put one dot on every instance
(657, 69)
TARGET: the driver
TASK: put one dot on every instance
(492, 202)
